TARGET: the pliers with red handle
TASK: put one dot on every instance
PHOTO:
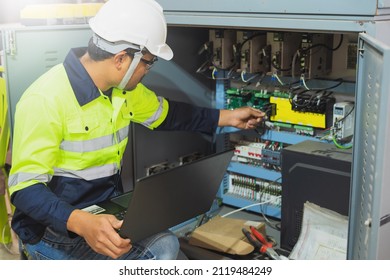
(260, 243)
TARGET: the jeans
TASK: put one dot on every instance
(52, 246)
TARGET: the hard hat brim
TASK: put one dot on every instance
(165, 52)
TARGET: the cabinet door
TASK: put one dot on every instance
(29, 52)
(369, 227)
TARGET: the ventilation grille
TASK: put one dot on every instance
(370, 107)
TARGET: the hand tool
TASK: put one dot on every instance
(260, 243)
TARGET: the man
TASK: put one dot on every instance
(70, 133)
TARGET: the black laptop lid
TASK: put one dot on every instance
(166, 199)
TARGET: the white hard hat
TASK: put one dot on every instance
(122, 24)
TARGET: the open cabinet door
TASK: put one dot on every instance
(31, 51)
(369, 227)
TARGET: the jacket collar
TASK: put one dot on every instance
(82, 84)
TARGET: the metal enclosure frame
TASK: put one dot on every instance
(369, 226)
(300, 7)
(369, 215)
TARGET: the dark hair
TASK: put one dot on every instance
(96, 53)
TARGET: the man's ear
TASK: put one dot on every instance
(120, 58)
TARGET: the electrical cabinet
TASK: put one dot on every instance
(363, 61)
(269, 33)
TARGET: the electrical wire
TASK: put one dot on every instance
(315, 101)
(294, 59)
(326, 132)
(213, 75)
(273, 63)
(250, 78)
(302, 79)
(260, 80)
(326, 46)
(339, 82)
(262, 210)
(210, 60)
(236, 53)
(249, 206)
(340, 146)
(305, 50)
(275, 76)
(267, 221)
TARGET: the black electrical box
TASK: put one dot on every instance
(316, 172)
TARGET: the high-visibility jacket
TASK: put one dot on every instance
(68, 143)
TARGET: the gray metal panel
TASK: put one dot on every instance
(31, 51)
(271, 21)
(383, 4)
(368, 237)
(333, 15)
(344, 7)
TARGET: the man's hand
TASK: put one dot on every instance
(99, 231)
(242, 118)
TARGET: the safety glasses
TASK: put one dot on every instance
(148, 63)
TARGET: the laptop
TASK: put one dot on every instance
(166, 199)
